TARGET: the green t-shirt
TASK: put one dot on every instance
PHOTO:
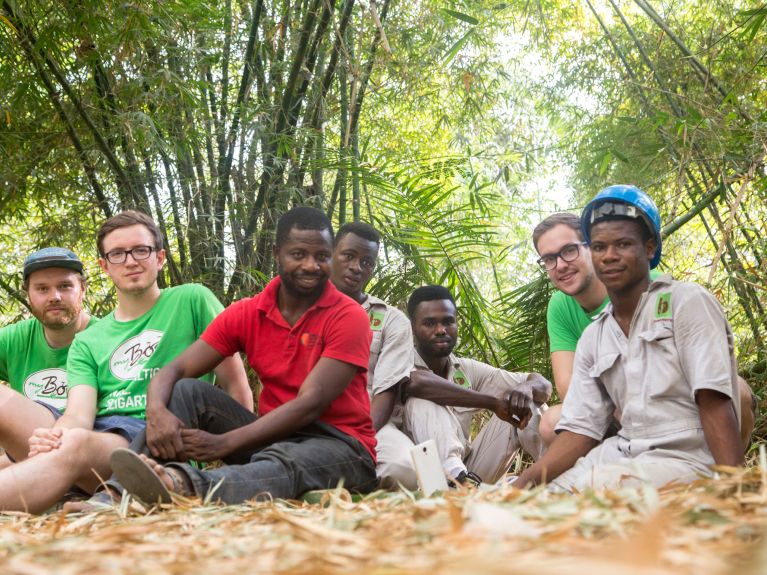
(566, 319)
(118, 358)
(31, 366)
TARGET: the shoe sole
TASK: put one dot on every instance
(138, 478)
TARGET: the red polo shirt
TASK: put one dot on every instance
(282, 355)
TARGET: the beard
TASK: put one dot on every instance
(294, 289)
(434, 351)
(63, 318)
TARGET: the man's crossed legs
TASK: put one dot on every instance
(317, 457)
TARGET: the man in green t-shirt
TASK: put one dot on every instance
(110, 365)
(33, 352)
(558, 239)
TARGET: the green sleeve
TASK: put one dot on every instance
(206, 307)
(563, 332)
(82, 369)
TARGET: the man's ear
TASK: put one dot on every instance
(161, 257)
(650, 248)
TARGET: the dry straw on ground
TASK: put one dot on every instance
(715, 527)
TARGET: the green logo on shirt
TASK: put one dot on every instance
(377, 319)
(461, 379)
(663, 306)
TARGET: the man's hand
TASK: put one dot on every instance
(540, 387)
(43, 440)
(516, 407)
(163, 433)
(203, 446)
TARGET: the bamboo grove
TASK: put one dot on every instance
(443, 123)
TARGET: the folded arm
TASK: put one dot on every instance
(428, 385)
(163, 429)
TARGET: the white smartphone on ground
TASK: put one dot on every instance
(428, 468)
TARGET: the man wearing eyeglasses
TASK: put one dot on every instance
(581, 297)
(109, 369)
(566, 258)
(661, 353)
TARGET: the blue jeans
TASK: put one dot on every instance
(316, 457)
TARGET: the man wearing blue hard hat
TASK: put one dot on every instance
(33, 352)
(660, 354)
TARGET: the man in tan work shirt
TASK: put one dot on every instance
(391, 351)
(445, 391)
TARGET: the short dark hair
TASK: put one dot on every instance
(361, 229)
(427, 293)
(302, 218)
(560, 218)
(124, 220)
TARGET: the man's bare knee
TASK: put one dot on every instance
(88, 453)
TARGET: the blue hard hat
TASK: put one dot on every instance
(623, 201)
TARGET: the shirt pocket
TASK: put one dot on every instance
(662, 364)
(604, 364)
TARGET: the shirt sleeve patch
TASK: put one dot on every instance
(460, 378)
(377, 317)
(663, 306)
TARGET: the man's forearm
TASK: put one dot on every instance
(73, 422)
(197, 359)
(382, 406)
(720, 426)
(161, 387)
(426, 385)
(562, 370)
(566, 449)
(231, 377)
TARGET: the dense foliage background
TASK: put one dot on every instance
(453, 126)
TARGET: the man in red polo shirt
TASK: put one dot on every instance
(309, 345)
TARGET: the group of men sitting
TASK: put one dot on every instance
(348, 383)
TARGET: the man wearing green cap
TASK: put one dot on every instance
(33, 352)
(661, 353)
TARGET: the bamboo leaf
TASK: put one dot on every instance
(460, 16)
(455, 48)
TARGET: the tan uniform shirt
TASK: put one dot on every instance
(391, 349)
(679, 342)
(478, 376)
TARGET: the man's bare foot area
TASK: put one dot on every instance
(99, 501)
(136, 473)
(169, 478)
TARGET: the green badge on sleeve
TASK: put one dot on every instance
(461, 379)
(377, 319)
(663, 306)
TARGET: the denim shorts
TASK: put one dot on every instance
(128, 427)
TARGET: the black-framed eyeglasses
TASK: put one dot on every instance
(139, 253)
(569, 253)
